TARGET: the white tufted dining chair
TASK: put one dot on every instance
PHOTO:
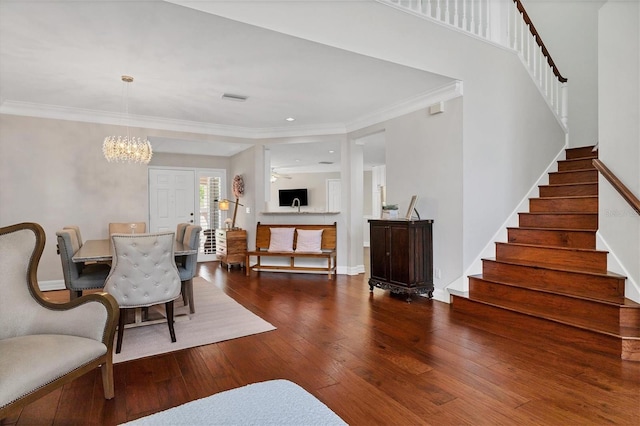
(143, 274)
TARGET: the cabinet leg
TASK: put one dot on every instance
(370, 289)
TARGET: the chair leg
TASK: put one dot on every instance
(189, 288)
(120, 329)
(107, 378)
(169, 308)
(185, 296)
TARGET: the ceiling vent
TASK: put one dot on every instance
(232, 97)
(325, 162)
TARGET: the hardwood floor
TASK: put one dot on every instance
(371, 358)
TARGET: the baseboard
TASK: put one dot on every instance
(351, 270)
(441, 295)
(51, 285)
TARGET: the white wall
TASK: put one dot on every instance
(425, 159)
(569, 29)
(619, 133)
(244, 164)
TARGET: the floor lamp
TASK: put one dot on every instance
(224, 205)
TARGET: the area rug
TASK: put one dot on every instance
(276, 402)
(217, 318)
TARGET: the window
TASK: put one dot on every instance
(210, 216)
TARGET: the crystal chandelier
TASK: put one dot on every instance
(125, 148)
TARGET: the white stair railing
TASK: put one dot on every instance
(505, 23)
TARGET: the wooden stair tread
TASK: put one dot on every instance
(568, 160)
(566, 197)
(577, 249)
(555, 268)
(568, 184)
(533, 228)
(623, 302)
(594, 326)
(558, 213)
(574, 171)
(519, 310)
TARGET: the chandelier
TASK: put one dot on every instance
(127, 149)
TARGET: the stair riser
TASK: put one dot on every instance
(631, 350)
(630, 317)
(552, 237)
(501, 322)
(582, 164)
(595, 261)
(583, 205)
(574, 283)
(593, 315)
(587, 221)
(568, 190)
(583, 176)
(581, 152)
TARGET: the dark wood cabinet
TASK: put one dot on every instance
(402, 256)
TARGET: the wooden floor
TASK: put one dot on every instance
(372, 358)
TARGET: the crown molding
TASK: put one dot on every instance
(415, 103)
(418, 102)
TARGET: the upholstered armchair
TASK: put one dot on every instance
(143, 274)
(187, 267)
(44, 345)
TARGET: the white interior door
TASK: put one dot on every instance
(171, 198)
(334, 191)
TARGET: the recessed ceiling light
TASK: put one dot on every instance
(290, 119)
(331, 151)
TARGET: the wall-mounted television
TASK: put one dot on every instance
(286, 197)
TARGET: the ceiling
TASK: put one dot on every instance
(67, 57)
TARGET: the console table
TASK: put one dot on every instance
(402, 256)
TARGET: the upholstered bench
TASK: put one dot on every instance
(295, 242)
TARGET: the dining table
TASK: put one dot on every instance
(101, 251)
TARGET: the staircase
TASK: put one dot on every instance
(550, 278)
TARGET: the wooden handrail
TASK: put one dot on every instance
(536, 35)
(618, 185)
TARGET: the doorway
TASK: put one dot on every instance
(187, 196)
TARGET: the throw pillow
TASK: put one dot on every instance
(309, 241)
(281, 239)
